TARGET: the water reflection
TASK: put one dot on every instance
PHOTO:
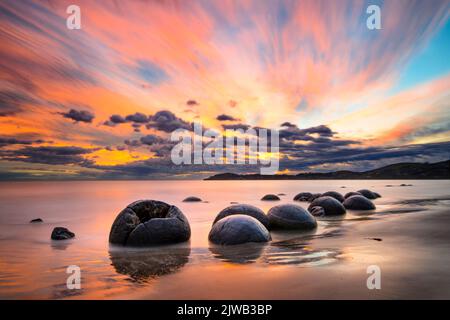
(145, 264)
(241, 253)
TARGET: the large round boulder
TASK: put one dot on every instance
(368, 194)
(358, 202)
(244, 209)
(270, 197)
(330, 205)
(149, 222)
(353, 193)
(238, 229)
(314, 196)
(339, 197)
(290, 216)
(303, 196)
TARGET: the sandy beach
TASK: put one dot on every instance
(406, 236)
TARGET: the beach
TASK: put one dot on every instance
(406, 236)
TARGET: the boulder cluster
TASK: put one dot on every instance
(149, 222)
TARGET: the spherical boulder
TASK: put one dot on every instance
(290, 216)
(149, 222)
(339, 197)
(353, 193)
(314, 197)
(37, 220)
(238, 229)
(61, 233)
(368, 194)
(377, 194)
(192, 199)
(244, 209)
(270, 197)
(330, 205)
(303, 196)
(358, 202)
(317, 211)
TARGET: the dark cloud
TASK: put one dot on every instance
(5, 141)
(132, 143)
(151, 139)
(12, 102)
(48, 155)
(167, 121)
(137, 117)
(79, 115)
(236, 126)
(225, 117)
(192, 103)
(289, 125)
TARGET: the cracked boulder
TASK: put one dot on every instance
(149, 222)
(330, 205)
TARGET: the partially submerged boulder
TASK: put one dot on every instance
(290, 216)
(358, 202)
(330, 205)
(37, 220)
(339, 197)
(353, 193)
(237, 229)
(244, 209)
(314, 197)
(270, 197)
(61, 233)
(149, 222)
(317, 211)
(192, 199)
(303, 196)
(368, 194)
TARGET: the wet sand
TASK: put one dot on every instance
(327, 263)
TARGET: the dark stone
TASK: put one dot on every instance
(330, 205)
(192, 199)
(376, 239)
(303, 196)
(60, 233)
(245, 209)
(339, 197)
(290, 216)
(368, 194)
(281, 194)
(237, 229)
(149, 222)
(358, 202)
(314, 197)
(36, 220)
(377, 194)
(270, 197)
(317, 211)
(353, 193)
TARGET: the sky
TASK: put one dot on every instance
(101, 102)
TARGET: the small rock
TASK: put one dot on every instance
(60, 233)
(281, 194)
(290, 216)
(339, 197)
(192, 199)
(270, 197)
(376, 239)
(238, 229)
(36, 220)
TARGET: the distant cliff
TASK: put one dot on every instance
(438, 170)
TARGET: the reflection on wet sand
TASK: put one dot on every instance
(145, 264)
(241, 253)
